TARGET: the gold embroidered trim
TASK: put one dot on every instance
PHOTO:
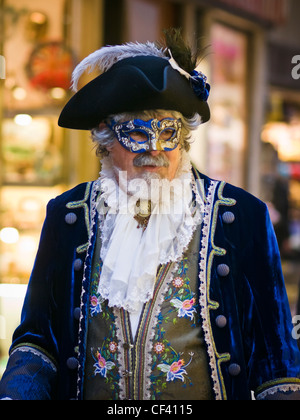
(206, 303)
(276, 382)
(90, 228)
(133, 362)
(166, 275)
(277, 385)
(38, 351)
(200, 185)
(82, 204)
(216, 251)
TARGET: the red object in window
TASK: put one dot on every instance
(50, 66)
(295, 170)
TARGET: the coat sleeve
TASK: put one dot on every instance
(273, 355)
(31, 370)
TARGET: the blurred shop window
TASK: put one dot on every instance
(283, 138)
(275, 193)
(31, 149)
(145, 20)
(227, 130)
(34, 159)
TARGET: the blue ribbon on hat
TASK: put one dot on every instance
(197, 79)
(199, 84)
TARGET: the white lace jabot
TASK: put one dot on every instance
(131, 256)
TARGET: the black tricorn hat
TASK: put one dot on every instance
(131, 85)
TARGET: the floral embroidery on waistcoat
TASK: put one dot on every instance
(95, 298)
(102, 365)
(106, 357)
(166, 360)
(185, 308)
(176, 370)
(95, 305)
(180, 295)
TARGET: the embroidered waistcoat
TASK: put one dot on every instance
(167, 358)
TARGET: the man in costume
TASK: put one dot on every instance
(153, 282)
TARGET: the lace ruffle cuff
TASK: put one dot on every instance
(279, 389)
(29, 375)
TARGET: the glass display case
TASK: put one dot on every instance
(38, 73)
(226, 134)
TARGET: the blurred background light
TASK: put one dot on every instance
(58, 93)
(12, 290)
(9, 235)
(19, 93)
(23, 119)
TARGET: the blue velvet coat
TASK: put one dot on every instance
(244, 308)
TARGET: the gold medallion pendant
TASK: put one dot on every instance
(143, 213)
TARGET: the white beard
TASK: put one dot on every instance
(131, 256)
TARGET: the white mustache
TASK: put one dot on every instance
(145, 159)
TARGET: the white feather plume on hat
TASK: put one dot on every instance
(104, 58)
